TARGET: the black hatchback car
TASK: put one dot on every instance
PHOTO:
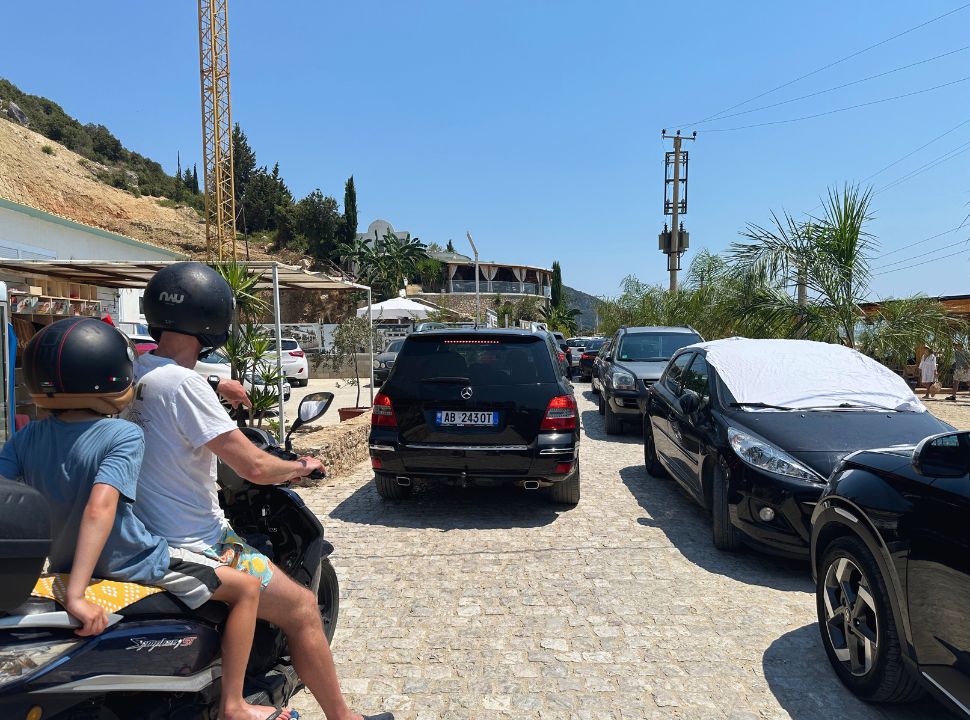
(484, 407)
(891, 558)
(753, 428)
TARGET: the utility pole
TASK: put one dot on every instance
(478, 299)
(677, 206)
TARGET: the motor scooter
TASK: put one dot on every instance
(157, 658)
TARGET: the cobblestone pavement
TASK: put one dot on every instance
(494, 603)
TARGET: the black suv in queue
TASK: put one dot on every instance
(891, 558)
(484, 407)
(635, 360)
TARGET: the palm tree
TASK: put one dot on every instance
(826, 260)
(560, 318)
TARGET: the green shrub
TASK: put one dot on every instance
(47, 149)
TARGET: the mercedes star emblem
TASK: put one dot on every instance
(466, 393)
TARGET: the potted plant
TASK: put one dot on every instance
(350, 338)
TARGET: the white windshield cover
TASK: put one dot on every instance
(804, 374)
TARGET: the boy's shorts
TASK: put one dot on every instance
(230, 551)
(191, 582)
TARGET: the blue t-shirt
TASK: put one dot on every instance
(64, 461)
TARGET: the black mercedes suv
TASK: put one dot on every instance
(484, 407)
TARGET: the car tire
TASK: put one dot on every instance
(726, 536)
(566, 492)
(614, 425)
(848, 567)
(388, 488)
(602, 407)
(650, 459)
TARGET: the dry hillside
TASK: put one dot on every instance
(64, 184)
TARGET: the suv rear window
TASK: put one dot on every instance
(649, 346)
(484, 360)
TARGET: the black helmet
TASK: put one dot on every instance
(79, 363)
(192, 299)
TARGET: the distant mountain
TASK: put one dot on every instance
(586, 304)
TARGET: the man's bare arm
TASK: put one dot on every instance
(259, 467)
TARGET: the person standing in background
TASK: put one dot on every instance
(928, 371)
(961, 368)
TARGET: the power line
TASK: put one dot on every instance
(843, 109)
(838, 87)
(826, 67)
(921, 147)
(925, 262)
(926, 166)
(920, 242)
(922, 254)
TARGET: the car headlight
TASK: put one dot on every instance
(20, 661)
(623, 380)
(759, 454)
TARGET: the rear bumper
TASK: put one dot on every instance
(481, 464)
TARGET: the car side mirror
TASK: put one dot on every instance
(690, 402)
(943, 456)
(312, 407)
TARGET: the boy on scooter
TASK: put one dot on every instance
(86, 464)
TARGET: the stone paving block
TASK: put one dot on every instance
(494, 603)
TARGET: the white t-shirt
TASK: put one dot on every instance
(177, 492)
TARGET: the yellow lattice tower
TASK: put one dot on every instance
(220, 201)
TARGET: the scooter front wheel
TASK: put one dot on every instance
(328, 599)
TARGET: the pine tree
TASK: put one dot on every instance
(243, 162)
(349, 226)
(451, 247)
(556, 285)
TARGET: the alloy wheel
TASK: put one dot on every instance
(851, 619)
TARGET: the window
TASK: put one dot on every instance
(483, 359)
(695, 378)
(675, 372)
(653, 346)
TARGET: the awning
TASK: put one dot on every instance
(137, 273)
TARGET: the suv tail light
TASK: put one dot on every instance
(586, 356)
(382, 414)
(296, 353)
(562, 356)
(560, 414)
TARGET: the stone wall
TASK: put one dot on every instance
(339, 447)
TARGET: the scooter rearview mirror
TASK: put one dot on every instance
(312, 407)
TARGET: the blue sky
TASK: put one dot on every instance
(536, 124)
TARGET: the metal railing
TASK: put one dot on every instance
(496, 286)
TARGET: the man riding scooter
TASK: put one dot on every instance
(189, 308)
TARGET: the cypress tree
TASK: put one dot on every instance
(195, 179)
(349, 226)
(556, 285)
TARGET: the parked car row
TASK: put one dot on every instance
(778, 439)
(816, 451)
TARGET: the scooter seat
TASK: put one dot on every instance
(165, 605)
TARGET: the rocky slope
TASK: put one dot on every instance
(62, 182)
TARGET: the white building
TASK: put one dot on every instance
(28, 233)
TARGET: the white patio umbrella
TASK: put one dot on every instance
(397, 309)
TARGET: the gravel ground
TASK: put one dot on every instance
(496, 604)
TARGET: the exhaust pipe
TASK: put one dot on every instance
(531, 484)
(404, 481)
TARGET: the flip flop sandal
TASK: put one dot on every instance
(294, 715)
(381, 716)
